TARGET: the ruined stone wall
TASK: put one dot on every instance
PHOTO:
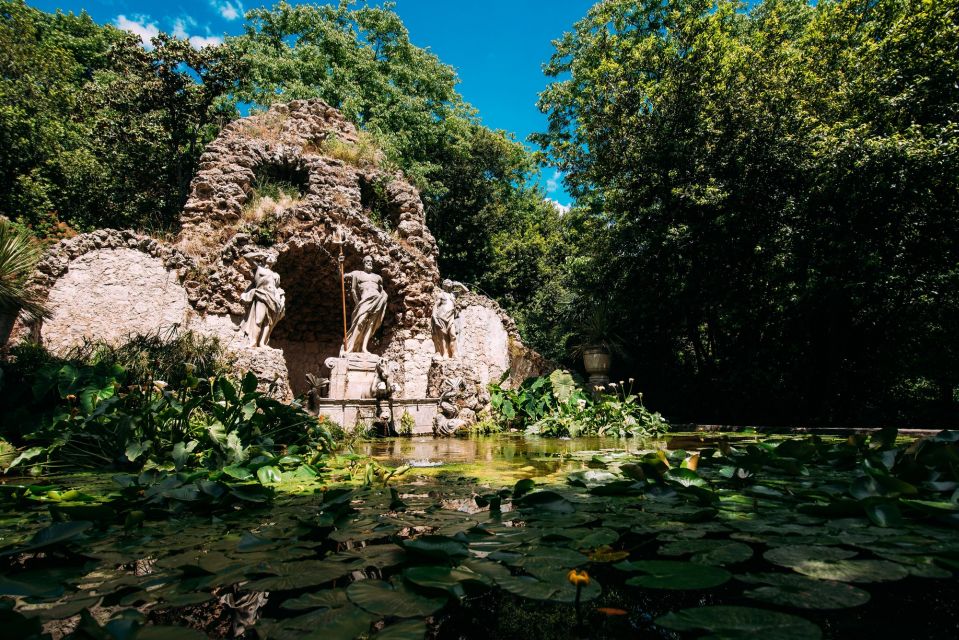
(109, 284)
(112, 293)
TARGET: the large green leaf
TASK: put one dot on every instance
(673, 574)
(728, 622)
(382, 598)
(437, 547)
(404, 630)
(718, 552)
(853, 570)
(796, 554)
(805, 593)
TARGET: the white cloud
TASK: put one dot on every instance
(139, 26)
(552, 184)
(198, 42)
(143, 26)
(179, 28)
(559, 206)
(227, 9)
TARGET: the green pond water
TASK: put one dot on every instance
(734, 535)
(512, 457)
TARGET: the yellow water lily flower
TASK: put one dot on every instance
(578, 578)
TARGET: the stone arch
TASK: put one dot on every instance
(312, 328)
(289, 169)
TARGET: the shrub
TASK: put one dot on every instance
(113, 410)
(407, 424)
(556, 406)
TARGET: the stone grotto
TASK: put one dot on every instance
(295, 284)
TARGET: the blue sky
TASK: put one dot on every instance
(497, 46)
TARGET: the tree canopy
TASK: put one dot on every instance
(772, 194)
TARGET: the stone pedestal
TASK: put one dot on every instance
(352, 375)
(269, 367)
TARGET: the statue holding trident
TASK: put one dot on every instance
(369, 300)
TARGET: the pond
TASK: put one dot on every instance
(720, 536)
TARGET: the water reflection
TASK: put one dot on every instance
(512, 454)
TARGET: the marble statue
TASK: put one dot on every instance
(384, 387)
(447, 421)
(369, 300)
(267, 304)
(444, 319)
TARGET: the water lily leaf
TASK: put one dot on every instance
(383, 599)
(437, 547)
(793, 555)
(348, 621)
(328, 598)
(852, 570)
(673, 574)
(66, 609)
(719, 552)
(686, 477)
(919, 566)
(31, 584)
(157, 632)
(268, 474)
(522, 487)
(56, 533)
(404, 630)
(528, 587)
(741, 622)
(487, 568)
(591, 478)
(238, 472)
(549, 501)
(805, 593)
(444, 578)
(298, 575)
(883, 514)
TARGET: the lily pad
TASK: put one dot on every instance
(383, 599)
(853, 570)
(437, 547)
(718, 552)
(404, 630)
(792, 555)
(673, 574)
(729, 622)
(804, 593)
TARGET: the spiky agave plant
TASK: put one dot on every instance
(18, 256)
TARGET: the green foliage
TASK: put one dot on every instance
(407, 424)
(766, 192)
(556, 406)
(492, 230)
(98, 131)
(19, 254)
(96, 413)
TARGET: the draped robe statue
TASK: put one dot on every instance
(444, 319)
(268, 302)
(369, 307)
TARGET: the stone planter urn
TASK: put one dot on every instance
(597, 361)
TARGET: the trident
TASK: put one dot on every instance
(339, 238)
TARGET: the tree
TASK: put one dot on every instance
(770, 189)
(473, 180)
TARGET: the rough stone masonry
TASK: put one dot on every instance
(110, 284)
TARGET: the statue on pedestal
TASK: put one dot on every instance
(369, 299)
(268, 302)
(444, 319)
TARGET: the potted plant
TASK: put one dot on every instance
(597, 341)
